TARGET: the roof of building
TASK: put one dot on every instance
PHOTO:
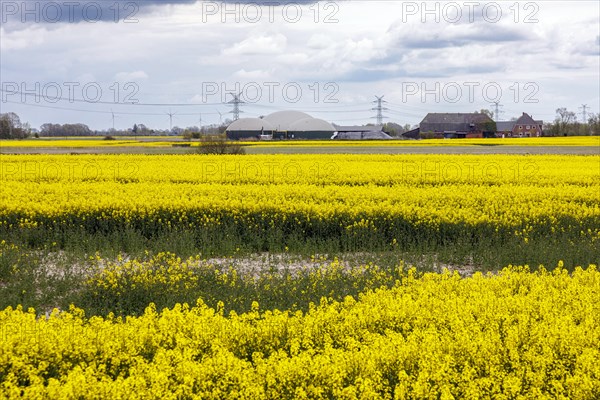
(282, 120)
(412, 134)
(526, 119)
(505, 126)
(368, 135)
(311, 124)
(250, 124)
(454, 122)
(359, 128)
(456, 118)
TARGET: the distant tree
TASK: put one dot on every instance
(48, 129)
(564, 121)
(192, 132)
(550, 129)
(594, 124)
(65, 130)
(143, 130)
(12, 128)
(486, 112)
(393, 129)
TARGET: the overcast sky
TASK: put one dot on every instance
(329, 59)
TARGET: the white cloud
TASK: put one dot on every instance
(319, 41)
(258, 45)
(22, 38)
(86, 78)
(131, 76)
(171, 53)
(294, 59)
(252, 75)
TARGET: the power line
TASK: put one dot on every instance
(497, 111)
(333, 108)
(584, 112)
(58, 108)
(341, 111)
(409, 107)
(116, 113)
(349, 119)
(405, 114)
(236, 105)
(379, 101)
(73, 100)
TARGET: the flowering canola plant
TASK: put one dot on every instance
(356, 199)
(512, 335)
(516, 334)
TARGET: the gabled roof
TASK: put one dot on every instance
(370, 135)
(455, 118)
(358, 128)
(526, 119)
(505, 126)
(454, 122)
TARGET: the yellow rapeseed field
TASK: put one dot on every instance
(514, 335)
(320, 195)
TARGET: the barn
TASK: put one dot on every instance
(368, 132)
(458, 125)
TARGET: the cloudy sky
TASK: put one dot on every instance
(85, 61)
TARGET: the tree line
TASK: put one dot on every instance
(566, 124)
(11, 127)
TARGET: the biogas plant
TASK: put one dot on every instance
(281, 125)
(297, 125)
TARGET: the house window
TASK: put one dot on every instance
(528, 127)
(520, 126)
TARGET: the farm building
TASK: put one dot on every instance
(504, 128)
(281, 125)
(368, 132)
(245, 128)
(310, 128)
(526, 126)
(412, 134)
(458, 125)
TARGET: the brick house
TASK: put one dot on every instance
(526, 126)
